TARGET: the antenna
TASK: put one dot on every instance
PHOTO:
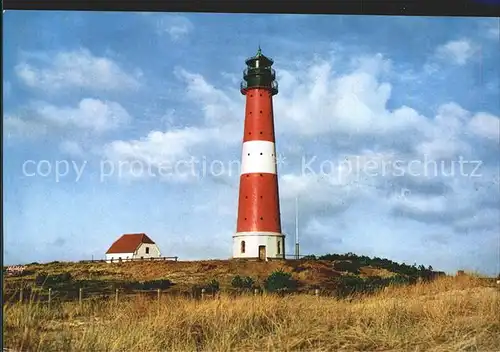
(297, 227)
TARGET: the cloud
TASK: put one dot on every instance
(89, 117)
(187, 144)
(75, 69)
(71, 148)
(15, 127)
(457, 51)
(177, 27)
(352, 108)
(59, 242)
(492, 29)
(91, 114)
(352, 104)
(486, 126)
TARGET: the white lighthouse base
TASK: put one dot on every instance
(259, 245)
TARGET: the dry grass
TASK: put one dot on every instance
(450, 314)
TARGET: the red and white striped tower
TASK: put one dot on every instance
(258, 233)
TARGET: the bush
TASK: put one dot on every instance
(349, 284)
(309, 257)
(351, 267)
(213, 286)
(280, 281)
(161, 284)
(156, 284)
(245, 282)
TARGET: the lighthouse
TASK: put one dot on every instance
(258, 230)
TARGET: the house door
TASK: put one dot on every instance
(262, 252)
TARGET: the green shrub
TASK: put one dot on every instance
(156, 284)
(245, 282)
(161, 284)
(348, 266)
(213, 286)
(309, 257)
(280, 281)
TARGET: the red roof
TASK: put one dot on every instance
(128, 243)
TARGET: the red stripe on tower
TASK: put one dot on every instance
(258, 232)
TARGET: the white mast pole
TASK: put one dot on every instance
(297, 227)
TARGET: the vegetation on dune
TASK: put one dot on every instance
(245, 283)
(335, 274)
(280, 281)
(446, 314)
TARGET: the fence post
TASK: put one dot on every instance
(316, 292)
(256, 292)
(21, 293)
(159, 295)
(50, 296)
(202, 293)
(116, 296)
(80, 296)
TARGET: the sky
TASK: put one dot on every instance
(387, 133)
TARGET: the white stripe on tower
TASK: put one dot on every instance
(258, 157)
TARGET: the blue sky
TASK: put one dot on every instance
(117, 96)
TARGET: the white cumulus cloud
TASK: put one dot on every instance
(89, 117)
(457, 51)
(75, 69)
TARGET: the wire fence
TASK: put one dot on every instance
(122, 260)
(53, 297)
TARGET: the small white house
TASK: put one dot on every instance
(132, 246)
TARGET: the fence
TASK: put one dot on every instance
(300, 257)
(50, 296)
(114, 260)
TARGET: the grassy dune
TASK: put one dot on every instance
(448, 314)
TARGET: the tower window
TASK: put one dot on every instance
(248, 154)
(279, 247)
(261, 153)
(242, 246)
(261, 111)
(261, 218)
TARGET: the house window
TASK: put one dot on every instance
(242, 246)
(147, 250)
(279, 247)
